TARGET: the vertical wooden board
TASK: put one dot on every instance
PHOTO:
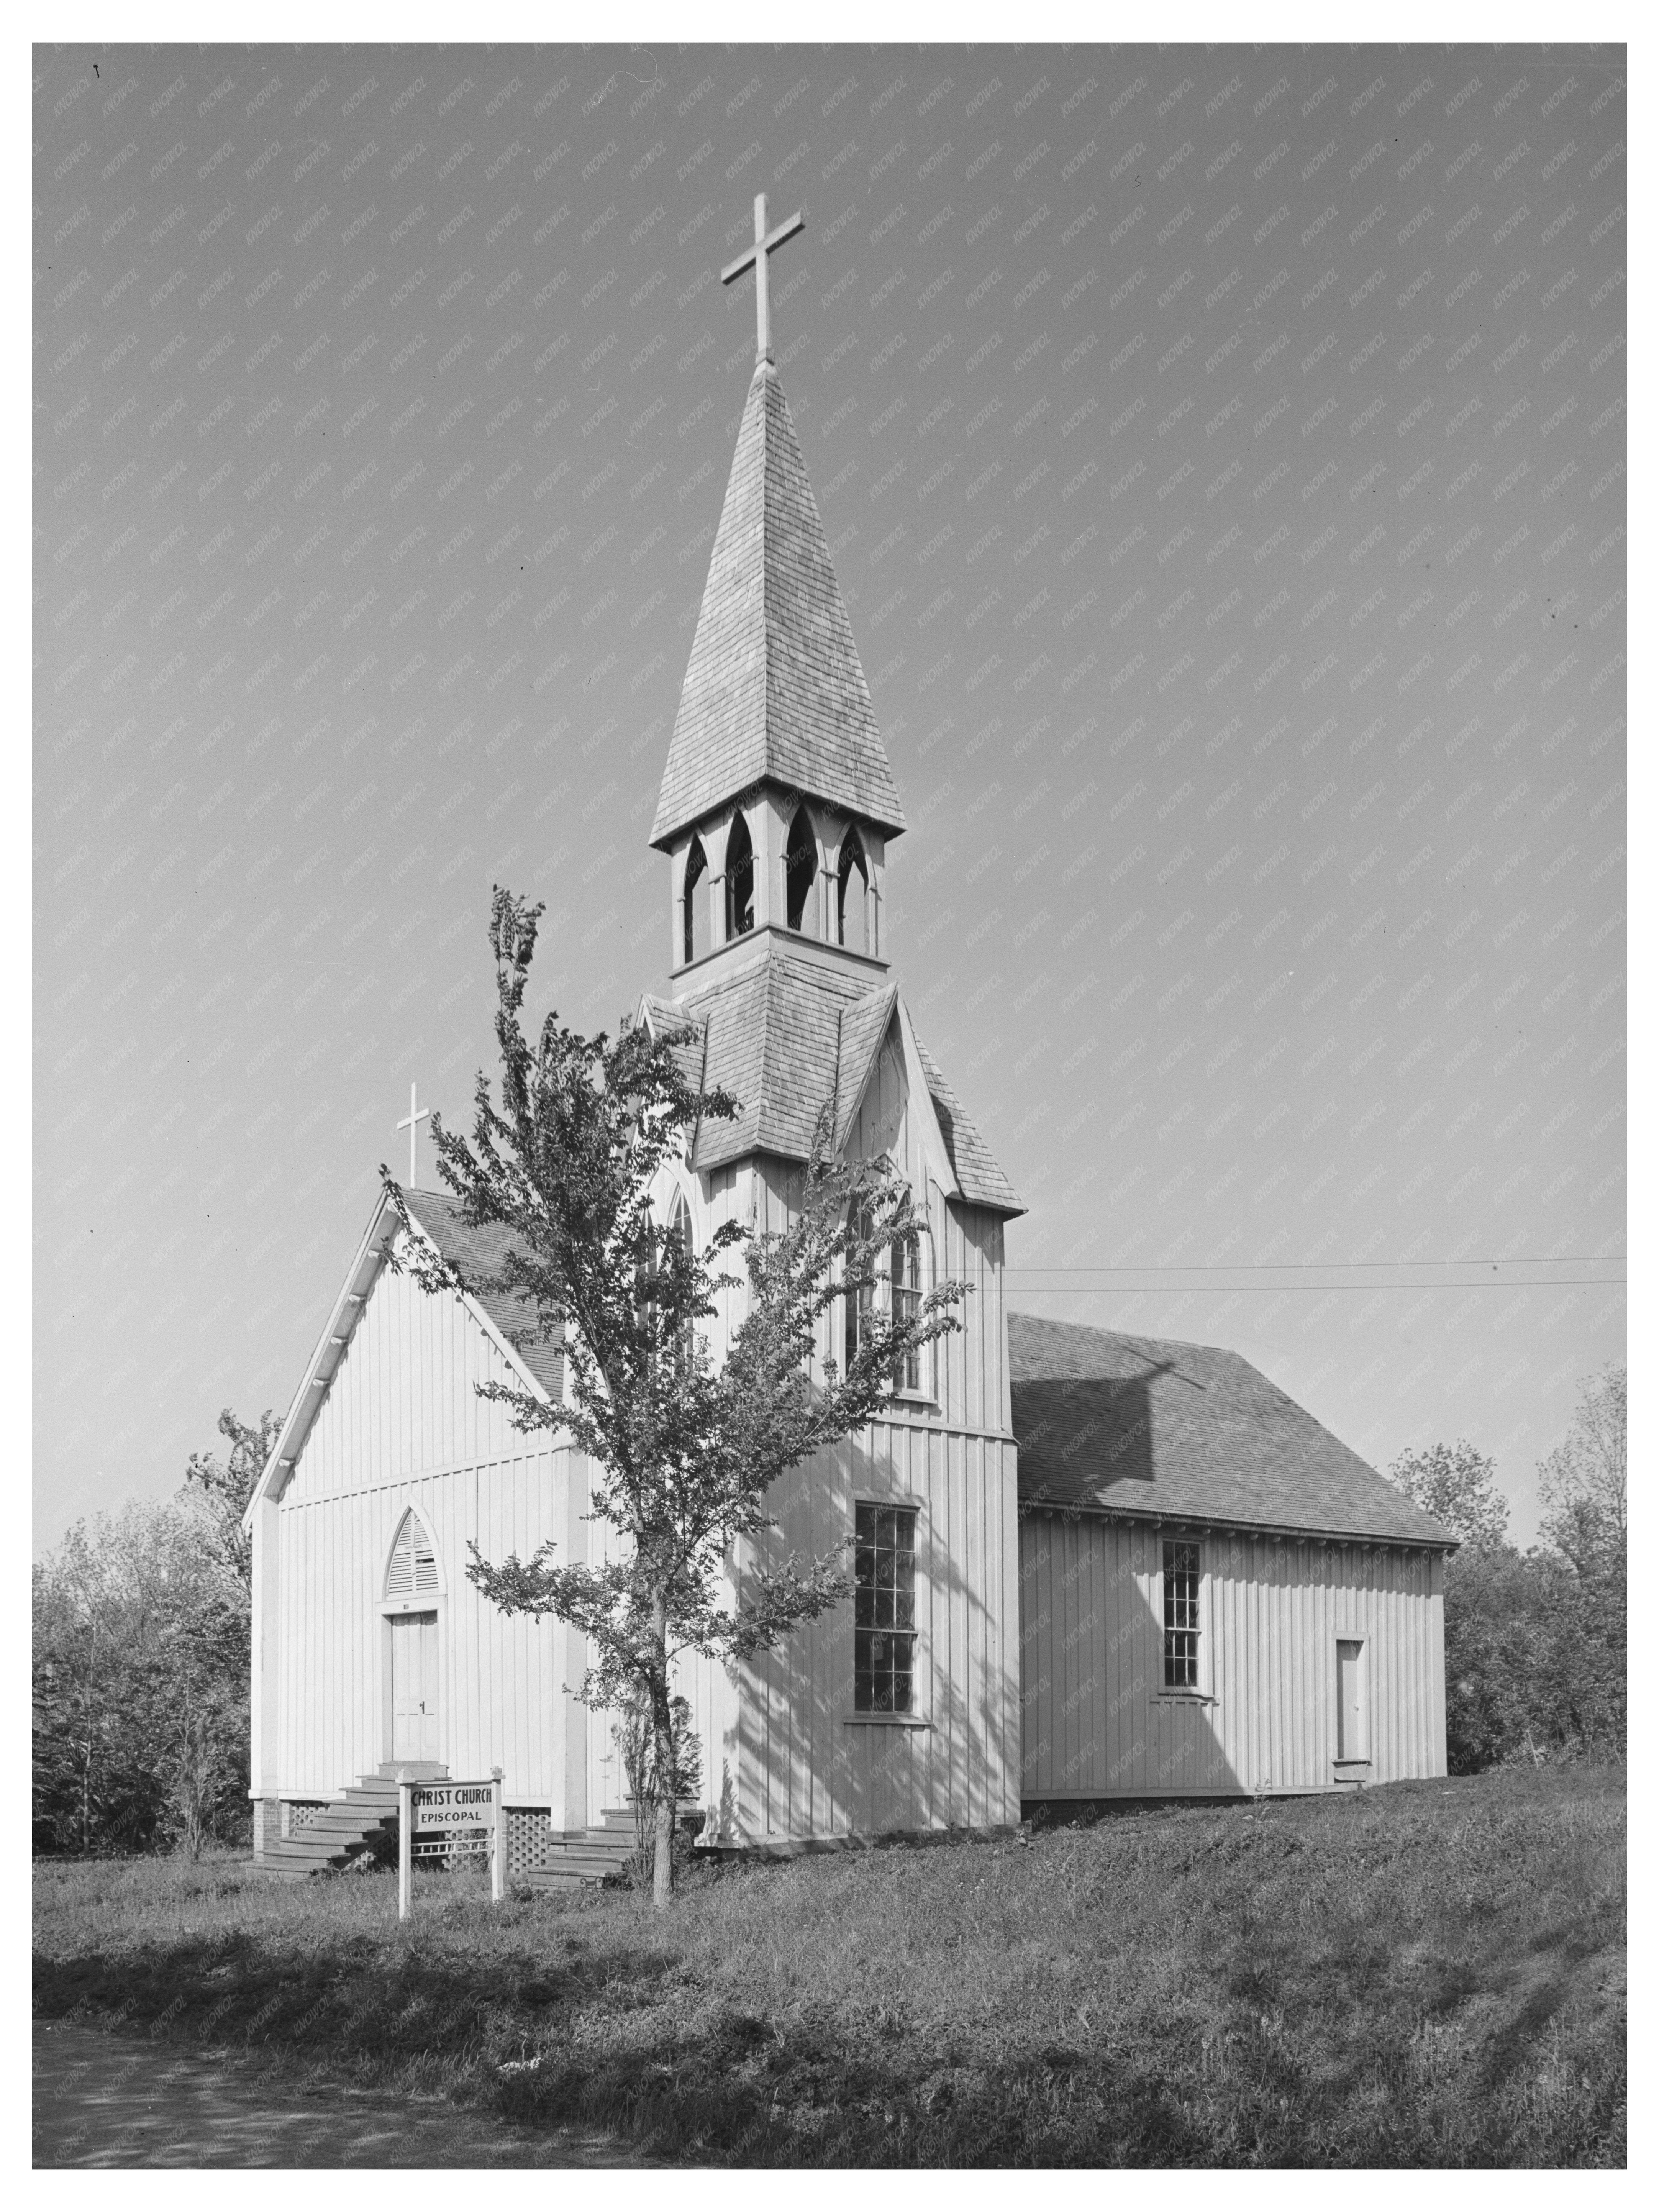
(970, 1343)
(960, 1604)
(1008, 1690)
(1314, 1614)
(1279, 1657)
(1034, 1647)
(1072, 1563)
(971, 1705)
(1312, 1600)
(1038, 1665)
(1229, 1680)
(1027, 1616)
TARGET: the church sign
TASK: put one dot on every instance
(449, 1820)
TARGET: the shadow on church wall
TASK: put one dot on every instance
(803, 1761)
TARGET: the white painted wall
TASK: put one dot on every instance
(1271, 1613)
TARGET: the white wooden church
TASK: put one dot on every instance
(1091, 1566)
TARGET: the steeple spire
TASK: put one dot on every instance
(774, 691)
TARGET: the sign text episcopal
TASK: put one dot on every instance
(454, 1807)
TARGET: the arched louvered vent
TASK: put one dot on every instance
(414, 1565)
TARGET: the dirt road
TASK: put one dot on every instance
(113, 2099)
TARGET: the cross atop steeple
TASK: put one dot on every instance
(756, 256)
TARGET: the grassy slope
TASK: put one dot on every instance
(1431, 1974)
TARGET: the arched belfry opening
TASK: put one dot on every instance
(739, 880)
(800, 868)
(694, 904)
(853, 896)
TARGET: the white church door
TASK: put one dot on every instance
(415, 1686)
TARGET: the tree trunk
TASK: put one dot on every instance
(662, 1732)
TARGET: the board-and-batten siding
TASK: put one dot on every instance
(1271, 1611)
(401, 1425)
(404, 1398)
(501, 1678)
(785, 1758)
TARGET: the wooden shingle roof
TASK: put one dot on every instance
(1161, 1431)
(784, 1035)
(981, 1179)
(478, 1253)
(775, 690)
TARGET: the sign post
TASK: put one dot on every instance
(450, 1820)
(405, 1822)
(498, 1854)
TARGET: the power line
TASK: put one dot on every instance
(1289, 1267)
(1129, 1289)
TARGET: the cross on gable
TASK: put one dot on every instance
(413, 1125)
(755, 257)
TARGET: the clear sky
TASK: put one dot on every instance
(1222, 453)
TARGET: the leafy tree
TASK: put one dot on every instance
(224, 1487)
(1535, 1642)
(1456, 1485)
(683, 1455)
(140, 1685)
(1582, 1484)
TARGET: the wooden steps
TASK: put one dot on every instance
(367, 1811)
(363, 1813)
(587, 1856)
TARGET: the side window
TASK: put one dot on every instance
(859, 1304)
(911, 1372)
(1180, 1616)
(884, 1608)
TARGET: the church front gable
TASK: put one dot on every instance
(402, 1397)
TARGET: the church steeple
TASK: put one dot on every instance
(777, 800)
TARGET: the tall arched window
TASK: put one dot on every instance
(693, 918)
(739, 880)
(909, 1371)
(853, 896)
(679, 1224)
(860, 1301)
(679, 1231)
(800, 868)
(413, 1565)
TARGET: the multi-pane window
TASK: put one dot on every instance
(883, 1609)
(898, 1279)
(860, 1300)
(1180, 1616)
(906, 1305)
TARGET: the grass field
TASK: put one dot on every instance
(1427, 1975)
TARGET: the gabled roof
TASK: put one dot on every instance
(1161, 1431)
(784, 1034)
(981, 1179)
(436, 1216)
(775, 689)
(479, 1253)
(770, 1033)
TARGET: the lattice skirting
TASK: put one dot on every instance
(531, 1844)
(300, 1814)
